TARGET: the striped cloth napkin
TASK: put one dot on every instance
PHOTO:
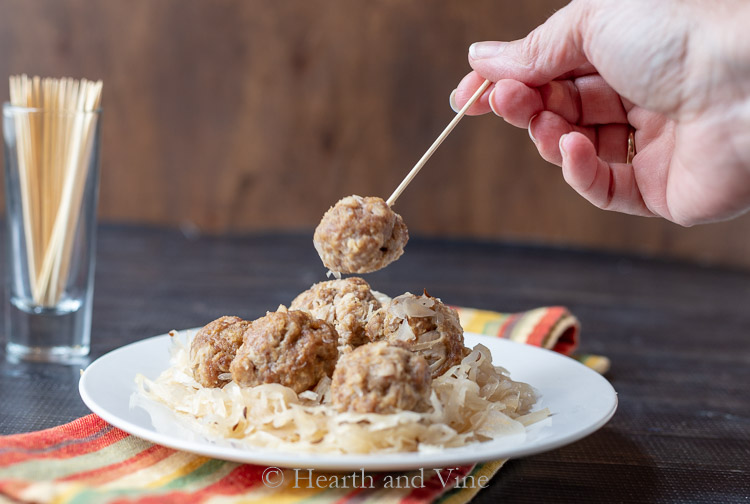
(90, 461)
(551, 327)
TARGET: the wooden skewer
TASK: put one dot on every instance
(436, 144)
(77, 148)
(19, 98)
(92, 101)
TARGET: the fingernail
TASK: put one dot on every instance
(491, 100)
(452, 101)
(531, 135)
(481, 50)
(562, 147)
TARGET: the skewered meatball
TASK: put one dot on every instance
(347, 304)
(213, 349)
(381, 378)
(360, 235)
(287, 347)
(424, 325)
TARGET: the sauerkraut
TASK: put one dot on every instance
(473, 401)
(424, 325)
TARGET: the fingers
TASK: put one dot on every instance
(610, 140)
(598, 102)
(515, 102)
(550, 51)
(465, 90)
(586, 100)
(609, 186)
(546, 129)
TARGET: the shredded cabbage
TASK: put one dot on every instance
(335, 274)
(473, 401)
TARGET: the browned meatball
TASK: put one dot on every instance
(347, 304)
(214, 347)
(287, 347)
(360, 235)
(424, 325)
(381, 378)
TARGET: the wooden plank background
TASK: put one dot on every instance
(236, 115)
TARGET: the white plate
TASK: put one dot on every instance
(581, 401)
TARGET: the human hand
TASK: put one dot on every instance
(677, 72)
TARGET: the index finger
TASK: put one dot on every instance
(466, 89)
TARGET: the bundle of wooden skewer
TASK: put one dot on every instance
(54, 134)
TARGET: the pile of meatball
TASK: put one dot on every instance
(381, 358)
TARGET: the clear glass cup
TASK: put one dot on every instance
(51, 195)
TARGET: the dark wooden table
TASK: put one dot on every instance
(678, 336)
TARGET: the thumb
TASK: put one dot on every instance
(552, 49)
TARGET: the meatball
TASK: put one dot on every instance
(214, 347)
(347, 304)
(381, 378)
(360, 235)
(424, 325)
(287, 347)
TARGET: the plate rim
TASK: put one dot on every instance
(347, 462)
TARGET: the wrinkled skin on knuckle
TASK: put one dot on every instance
(530, 49)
